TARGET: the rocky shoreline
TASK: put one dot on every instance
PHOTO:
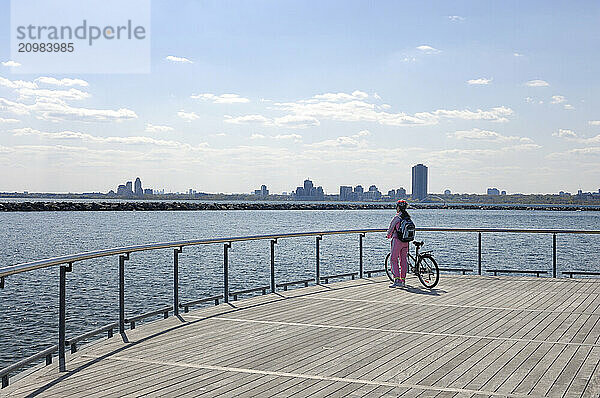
(207, 206)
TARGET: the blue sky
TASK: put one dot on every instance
(243, 93)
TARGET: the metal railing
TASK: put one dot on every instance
(123, 253)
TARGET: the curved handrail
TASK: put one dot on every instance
(44, 263)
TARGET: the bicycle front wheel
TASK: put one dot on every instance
(428, 271)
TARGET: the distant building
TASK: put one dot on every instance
(263, 191)
(358, 189)
(148, 191)
(503, 193)
(309, 192)
(493, 191)
(372, 194)
(345, 192)
(400, 193)
(138, 191)
(125, 190)
(129, 186)
(447, 192)
(392, 193)
(419, 182)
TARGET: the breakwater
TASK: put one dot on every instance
(219, 206)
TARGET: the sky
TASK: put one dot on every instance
(244, 93)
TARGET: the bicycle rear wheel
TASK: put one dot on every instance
(388, 266)
(428, 271)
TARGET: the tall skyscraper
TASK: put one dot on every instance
(419, 182)
(138, 191)
(129, 188)
(308, 188)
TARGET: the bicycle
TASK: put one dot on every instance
(426, 268)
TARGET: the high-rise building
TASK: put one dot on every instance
(400, 193)
(447, 192)
(138, 191)
(419, 182)
(309, 192)
(129, 187)
(493, 191)
(263, 191)
(308, 187)
(345, 192)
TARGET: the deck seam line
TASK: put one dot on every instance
(316, 377)
(446, 305)
(401, 331)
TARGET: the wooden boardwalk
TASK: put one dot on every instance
(472, 336)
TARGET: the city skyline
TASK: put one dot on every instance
(486, 95)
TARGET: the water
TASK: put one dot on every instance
(28, 316)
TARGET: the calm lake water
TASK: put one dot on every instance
(28, 304)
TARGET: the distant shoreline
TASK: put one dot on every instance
(39, 206)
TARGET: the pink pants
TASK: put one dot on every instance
(399, 250)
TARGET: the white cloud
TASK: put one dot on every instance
(62, 82)
(221, 99)
(71, 94)
(181, 60)
(248, 119)
(347, 108)
(515, 54)
(594, 122)
(11, 63)
(480, 81)
(428, 49)
(296, 121)
(56, 109)
(456, 18)
(294, 137)
(376, 96)
(338, 97)
(188, 116)
(476, 134)
(2, 120)
(529, 100)
(565, 133)
(569, 107)
(73, 135)
(537, 83)
(152, 128)
(16, 84)
(257, 136)
(557, 99)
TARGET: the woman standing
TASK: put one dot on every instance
(399, 247)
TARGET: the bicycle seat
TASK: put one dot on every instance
(418, 244)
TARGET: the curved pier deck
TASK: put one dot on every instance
(472, 336)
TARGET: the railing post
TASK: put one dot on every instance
(122, 259)
(318, 272)
(176, 253)
(479, 253)
(273, 287)
(226, 271)
(554, 255)
(360, 255)
(62, 316)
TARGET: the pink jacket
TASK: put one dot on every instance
(394, 225)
